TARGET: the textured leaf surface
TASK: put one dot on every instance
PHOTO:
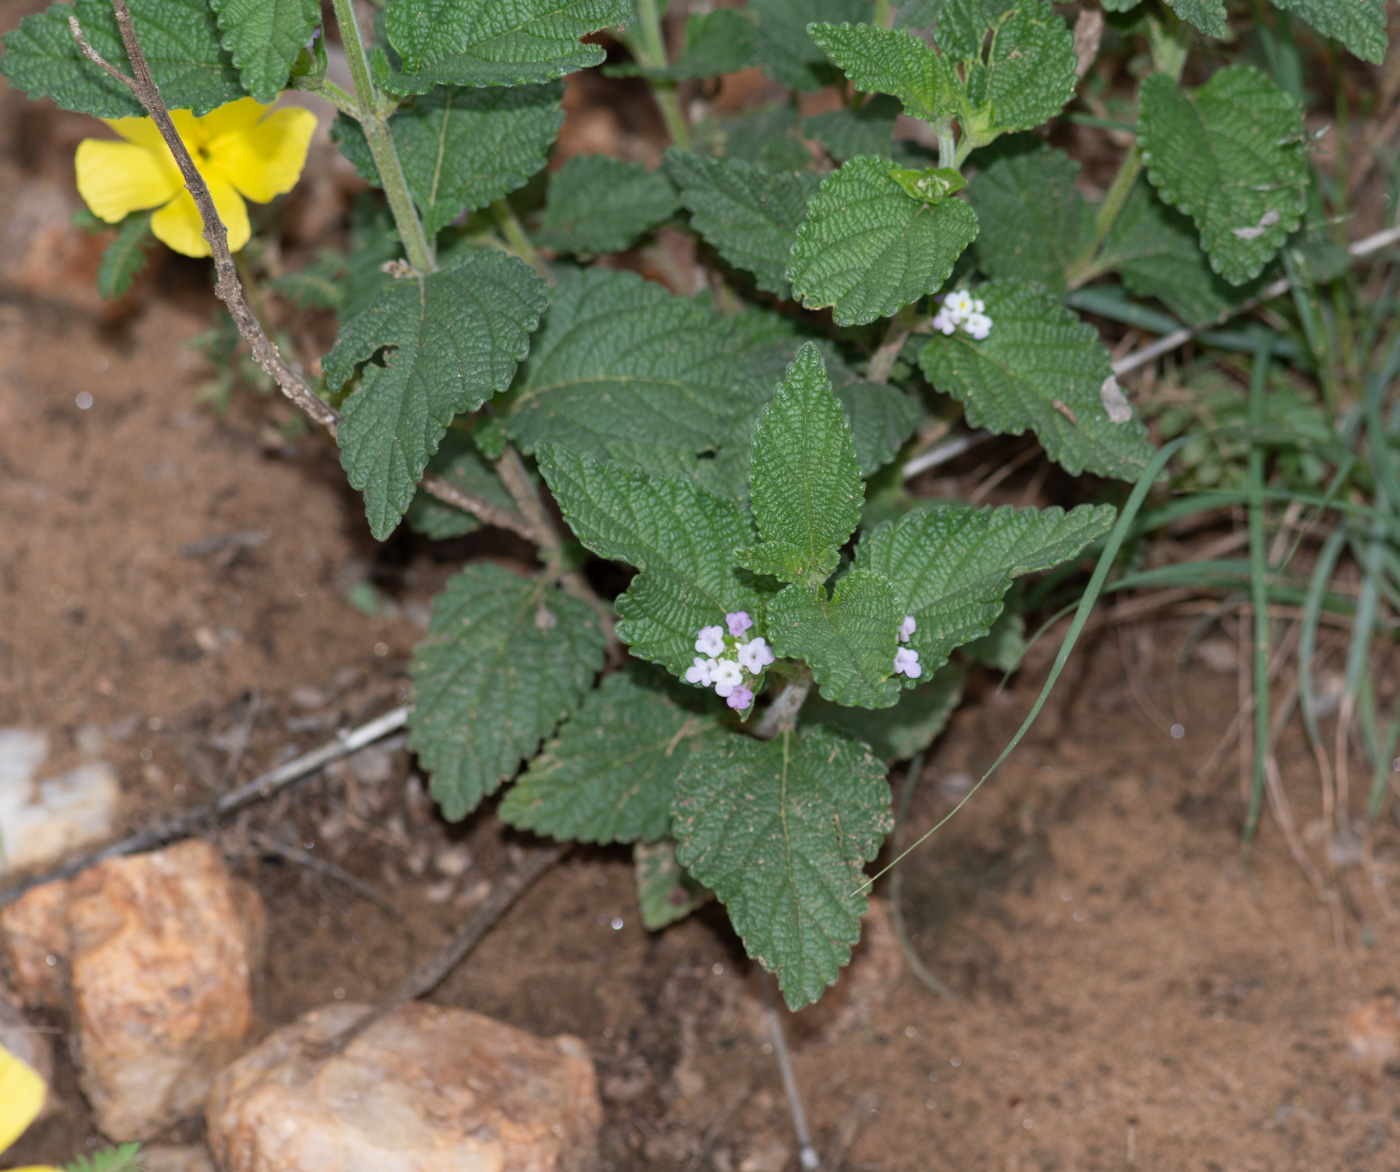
(611, 773)
(601, 204)
(264, 37)
(868, 249)
(803, 477)
(718, 42)
(1032, 222)
(780, 830)
(893, 61)
(460, 463)
(621, 359)
(882, 417)
(680, 536)
(844, 134)
(1229, 155)
(1040, 368)
(952, 566)
(788, 53)
(848, 640)
(1358, 24)
(495, 42)
(505, 659)
(126, 256)
(180, 39)
(764, 136)
(748, 213)
(1155, 249)
(1206, 15)
(462, 148)
(665, 891)
(450, 342)
(896, 734)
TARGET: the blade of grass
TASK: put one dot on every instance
(1259, 588)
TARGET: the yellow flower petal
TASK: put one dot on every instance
(116, 178)
(37, 1168)
(178, 224)
(235, 118)
(21, 1096)
(141, 131)
(266, 159)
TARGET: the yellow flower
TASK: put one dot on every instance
(239, 152)
(21, 1096)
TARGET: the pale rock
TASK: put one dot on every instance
(29, 1043)
(159, 979)
(177, 1158)
(35, 933)
(41, 821)
(426, 1089)
(1373, 1035)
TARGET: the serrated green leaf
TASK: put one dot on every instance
(461, 464)
(764, 136)
(126, 256)
(1004, 645)
(919, 15)
(180, 40)
(1032, 222)
(462, 148)
(1358, 24)
(1040, 368)
(505, 659)
(881, 416)
(963, 24)
(482, 43)
(748, 213)
(1206, 15)
(848, 640)
(681, 537)
(264, 37)
(666, 892)
(787, 52)
(867, 249)
(601, 204)
(1156, 251)
(621, 359)
(1230, 155)
(896, 734)
(893, 61)
(450, 341)
(780, 831)
(718, 42)
(803, 477)
(126, 1158)
(610, 774)
(952, 565)
(868, 130)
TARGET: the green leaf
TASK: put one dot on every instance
(461, 464)
(882, 417)
(462, 148)
(180, 39)
(844, 133)
(125, 257)
(896, 734)
(1033, 223)
(920, 15)
(1156, 251)
(1004, 645)
(1358, 24)
(505, 659)
(893, 61)
(264, 37)
(788, 53)
(1230, 155)
(681, 537)
(953, 565)
(610, 774)
(803, 477)
(621, 359)
(449, 342)
(665, 891)
(780, 830)
(764, 136)
(748, 213)
(1040, 368)
(126, 1158)
(480, 43)
(848, 640)
(601, 204)
(1206, 15)
(718, 42)
(867, 249)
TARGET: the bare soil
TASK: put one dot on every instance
(175, 589)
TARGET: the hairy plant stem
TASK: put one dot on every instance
(884, 14)
(370, 111)
(1085, 266)
(896, 334)
(782, 713)
(651, 49)
(509, 223)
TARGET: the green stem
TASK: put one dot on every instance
(1083, 267)
(1168, 42)
(375, 124)
(884, 14)
(947, 149)
(520, 244)
(328, 91)
(651, 50)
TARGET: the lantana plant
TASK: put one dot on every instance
(793, 619)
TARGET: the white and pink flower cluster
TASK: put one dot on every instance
(961, 309)
(729, 664)
(906, 659)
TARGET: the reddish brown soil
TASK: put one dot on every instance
(1130, 994)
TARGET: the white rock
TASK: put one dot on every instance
(42, 821)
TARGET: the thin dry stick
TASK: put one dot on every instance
(901, 931)
(258, 789)
(292, 854)
(807, 1153)
(847, 1128)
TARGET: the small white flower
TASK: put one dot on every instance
(944, 323)
(710, 641)
(701, 673)
(979, 325)
(907, 628)
(726, 676)
(979, 306)
(755, 655)
(959, 304)
(906, 663)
